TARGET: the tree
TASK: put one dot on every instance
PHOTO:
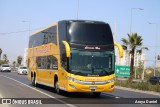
(6, 61)
(14, 64)
(19, 60)
(1, 62)
(141, 63)
(140, 50)
(0, 53)
(130, 44)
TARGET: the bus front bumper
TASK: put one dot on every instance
(76, 87)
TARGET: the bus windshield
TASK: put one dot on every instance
(88, 63)
(90, 33)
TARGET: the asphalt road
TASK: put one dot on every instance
(17, 86)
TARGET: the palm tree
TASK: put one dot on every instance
(130, 44)
(5, 58)
(19, 60)
(14, 64)
(0, 53)
(139, 51)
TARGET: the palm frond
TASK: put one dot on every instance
(139, 51)
(125, 41)
(146, 48)
(124, 47)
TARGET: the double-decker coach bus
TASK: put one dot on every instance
(73, 56)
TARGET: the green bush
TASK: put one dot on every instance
(146, 86)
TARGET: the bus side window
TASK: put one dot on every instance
(55, 63)
(48, 62)
(52, 63)
(50, 35)
(38, 61)
(64, 61)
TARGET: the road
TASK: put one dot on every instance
(15, 86)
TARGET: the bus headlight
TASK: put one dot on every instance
(110, 80)
(73, 79)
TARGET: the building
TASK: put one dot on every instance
(127, 58)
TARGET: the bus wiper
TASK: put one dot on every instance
(78, 73)
(102, 71)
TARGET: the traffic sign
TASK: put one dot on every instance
(123, 71)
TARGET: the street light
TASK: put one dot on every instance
(131, 17)
(29, 25)
(155, 46)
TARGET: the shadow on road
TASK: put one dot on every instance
(76, 94)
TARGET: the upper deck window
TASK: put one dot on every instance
(90, 33)
(46, 36)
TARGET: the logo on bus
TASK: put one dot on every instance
(44, 50)
(92, 48)
(93, 83)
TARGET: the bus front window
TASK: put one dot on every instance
(88, 63)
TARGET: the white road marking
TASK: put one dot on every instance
(117, 97)
(70, 105)
(110, 95)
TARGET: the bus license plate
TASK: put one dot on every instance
(93, 87)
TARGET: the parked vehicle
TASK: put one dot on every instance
(22, 70)
(154, 80)
(5, 67)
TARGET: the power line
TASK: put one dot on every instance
(14, 32)
(21, 31)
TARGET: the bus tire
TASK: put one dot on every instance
(57, 89)
(96, 94)
(34, 83)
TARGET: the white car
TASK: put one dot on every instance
(22, 70)
(5, 67)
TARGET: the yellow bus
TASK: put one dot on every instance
(73, 56)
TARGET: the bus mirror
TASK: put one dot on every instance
(120, 49)
(67, 48)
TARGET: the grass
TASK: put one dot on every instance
(146, 86)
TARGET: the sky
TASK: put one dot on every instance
(14, 34)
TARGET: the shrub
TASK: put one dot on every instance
(146, 86)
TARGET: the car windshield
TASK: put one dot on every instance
(88, 63)
(23, 67)
(5, 65)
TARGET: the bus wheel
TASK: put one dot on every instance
(57, 89)
(34, 83)
(96, 94)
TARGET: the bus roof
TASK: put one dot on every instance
(43, 29)
(86, 21)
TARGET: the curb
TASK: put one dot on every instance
(140, 91)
